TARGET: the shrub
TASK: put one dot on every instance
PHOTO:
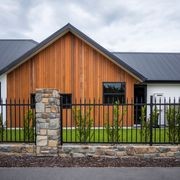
(1, 126)
(155, 117)
(113, 129)
(173, 118)
(145, 125)
(83, 124)
(29, 124)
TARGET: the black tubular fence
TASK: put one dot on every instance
(156, 122)
(17, 121)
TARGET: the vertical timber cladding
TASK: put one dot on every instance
(70, 65)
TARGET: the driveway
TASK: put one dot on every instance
(155, 173)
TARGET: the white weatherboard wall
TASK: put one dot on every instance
(167, 90)
(3, 80)
(163, 91)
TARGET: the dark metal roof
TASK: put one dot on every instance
(62, 31)
(12, 49)
(160, 67)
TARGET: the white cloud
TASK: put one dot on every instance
(131, 25)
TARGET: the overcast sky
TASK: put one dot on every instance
(118, 25)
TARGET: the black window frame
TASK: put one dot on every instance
(33, 100)
(66, 105)
(115, 95)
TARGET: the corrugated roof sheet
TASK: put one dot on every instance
(11, 49)
(153, 66)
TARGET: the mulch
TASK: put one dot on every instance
(34, 161)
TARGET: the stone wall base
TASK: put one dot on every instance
(111, 151)
(18, 149)
(118, 151)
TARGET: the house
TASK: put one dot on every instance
(81, 68)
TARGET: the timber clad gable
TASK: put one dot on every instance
(70, 65)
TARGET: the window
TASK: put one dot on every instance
(66, 100)
(113, 92)
(33, 101)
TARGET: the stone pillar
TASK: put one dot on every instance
(47, 122)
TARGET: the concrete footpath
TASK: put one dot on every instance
(144, 173)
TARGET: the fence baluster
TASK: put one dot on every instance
(178, 121)
(117, 125)
(75, 120)
(141, 121)
(66, 119)
(165, 123)
(169, 119)
(155, 119)
(127, 116)
(1, 120)
(112, 122)
(6, 120)
(99, 121)
(28, 120)
(160, 119)
(24, 121)
(11, 120)
(15, 116)
(174, 122)
(89, 120)
(122, 117)
(80, 120)
(19, 120)
(85, 122)
(132, 118)
(108, 121)
(136, 106)
(103, 122)
(71, 120)
(151, 119)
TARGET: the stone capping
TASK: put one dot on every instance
(17, 149)
(115, 151)
(47, 121)
(109, 151)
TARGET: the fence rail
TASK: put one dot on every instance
(17, 121)
(156, 122)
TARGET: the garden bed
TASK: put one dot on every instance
(34, 161)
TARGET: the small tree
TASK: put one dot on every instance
(1, 126)
(145, 125)
(173, 118)
(29, 124)
(113, 129)
(155, 117)
(83, 124)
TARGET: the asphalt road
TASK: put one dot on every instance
(90, 173)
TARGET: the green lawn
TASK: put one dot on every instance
(17, 135)
(125, 136)
(160, 135)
